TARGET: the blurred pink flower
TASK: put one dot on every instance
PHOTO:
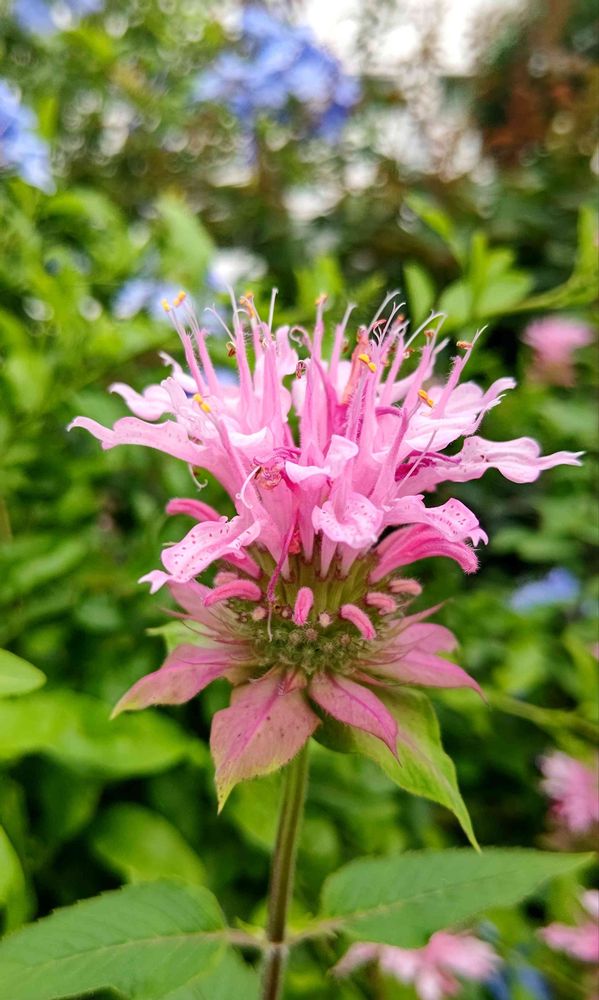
(574, 789)
(327, 461)
(431, 969)
(581, 941)
(554, 340)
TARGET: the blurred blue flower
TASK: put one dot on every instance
(557, 587)
(143, 294)
(507, 984)
(280, 63)
(43, 17)
(22, 151)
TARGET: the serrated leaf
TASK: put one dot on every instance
(230, 980)
(147, 941)
(423, 767)
(17, 676)
(75, 729)
(142, 846)
(403, 900)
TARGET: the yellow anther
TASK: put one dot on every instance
(231, 350)
(465, 345)
(247, 300)
(425, 397)
(165, 305)
(203, 405)
(179, 298)
(429, 334)
(365, 358)
(321, 299)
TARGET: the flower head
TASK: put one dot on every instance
(22, 151)
(580, 941)
(280, 63)
(574, 791)
(432, 969)
(327, 460)
(554, 340)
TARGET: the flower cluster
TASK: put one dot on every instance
(554, 341)
(582, 940)
(42, 17)
(22, 151)
(432, 969)
(280, 63)
(327, 456)
(574, 790)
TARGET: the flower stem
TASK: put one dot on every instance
(295, 780)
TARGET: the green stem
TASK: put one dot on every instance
(295, 780)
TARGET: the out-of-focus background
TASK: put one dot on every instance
(443, 148)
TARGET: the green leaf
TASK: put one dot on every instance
(441, 224)
(403, 900)
(232, 979)
(75, 729)
(423, 767)
(14, 894)
(188, 247)
(177, 633)
(17, 676)
(142, 846)
(421, 292)
(146, 941)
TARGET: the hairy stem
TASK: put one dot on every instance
(295, 780)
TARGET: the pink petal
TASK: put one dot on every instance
(168, 437)
(453, 520)
(383, 602)
(184, 674)
(354, 705)
(424, 669)
(419, 542)
(359, 618)
(244, 590)
(206, 542)
(359, 954)
(357, 525)
(303, 605)
(519, 460)
(580, 942)
(462, 953)
(157, 578)
(194, 508)
(151, 404)
(265, 726)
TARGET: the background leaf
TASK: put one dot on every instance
(17, 676)
(142, 846)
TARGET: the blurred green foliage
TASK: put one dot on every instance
(87, 804)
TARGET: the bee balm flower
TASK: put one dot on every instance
(573, 789)
(327, 461)
(582, 940)
(431, 969)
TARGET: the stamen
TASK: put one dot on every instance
(464, 345)
(365, 359)
(179, 298)
(165, 305)
(423, 394)
(199, 399)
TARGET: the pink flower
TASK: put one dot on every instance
(581, 941)
(308, 616)
(554, 340)
(574, 789)
(431, 969)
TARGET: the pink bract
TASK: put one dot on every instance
(327, 459)
(432, 969)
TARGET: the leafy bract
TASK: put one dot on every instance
(141, 846)
(75, 729)
(17, 676)
(146, 941)
(422, 767)
(402, 900)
